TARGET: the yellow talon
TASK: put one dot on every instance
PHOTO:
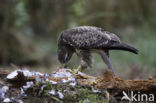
(75, 71)
(79, 68)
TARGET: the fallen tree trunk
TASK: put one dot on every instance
(104, 88)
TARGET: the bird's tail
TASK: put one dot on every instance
(123, 46)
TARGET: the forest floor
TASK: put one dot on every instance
(62, 86)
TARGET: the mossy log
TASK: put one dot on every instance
(103, 89)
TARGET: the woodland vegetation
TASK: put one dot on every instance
(29, 30)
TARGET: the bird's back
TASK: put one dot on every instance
(87, 37)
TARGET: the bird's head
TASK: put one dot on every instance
(64, 55)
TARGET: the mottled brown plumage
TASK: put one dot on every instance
(84, 40)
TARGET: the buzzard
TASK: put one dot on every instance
(84, 40)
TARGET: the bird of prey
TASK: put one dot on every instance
(84, 40)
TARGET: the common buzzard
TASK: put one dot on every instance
(85, 40)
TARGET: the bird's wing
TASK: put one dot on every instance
(86, 37)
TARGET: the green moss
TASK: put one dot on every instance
(78, 94)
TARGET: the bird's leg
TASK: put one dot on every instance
(75, 71)
(86, 60)
(80, 68)
(107, 52)
(107, 61)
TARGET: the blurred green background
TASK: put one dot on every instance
(29, 31)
